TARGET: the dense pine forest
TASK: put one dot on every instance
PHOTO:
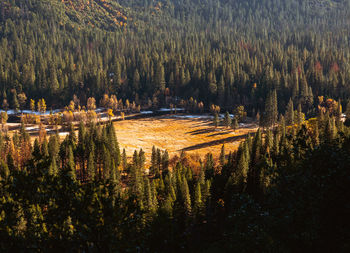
(284, 64)
(228, 53)
(283, 190)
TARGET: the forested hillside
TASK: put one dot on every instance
(223, 52)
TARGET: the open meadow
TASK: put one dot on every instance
(195, 135)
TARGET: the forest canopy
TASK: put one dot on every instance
(228, 53)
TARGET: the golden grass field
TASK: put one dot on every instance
(196, 136)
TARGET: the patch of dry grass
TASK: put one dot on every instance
(195, 136)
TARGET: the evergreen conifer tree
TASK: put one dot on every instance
(216, 120)
(124, 160)
(290, 113)
(227, 119)
(91, 167)
(198, 203)
(235, 124)
(222, 155)
(15, 104)
(71, 164)
(186, 197)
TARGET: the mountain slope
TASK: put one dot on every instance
(113, 14)
(105, 14)
(101, 13)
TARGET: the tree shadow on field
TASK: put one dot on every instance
(221, 133)
(216, 142)
(203, 131)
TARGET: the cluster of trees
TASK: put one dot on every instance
(239, 116)
(84, 194)
(270, 116)
(227, 121)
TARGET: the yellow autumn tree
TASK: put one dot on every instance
(110, 114)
